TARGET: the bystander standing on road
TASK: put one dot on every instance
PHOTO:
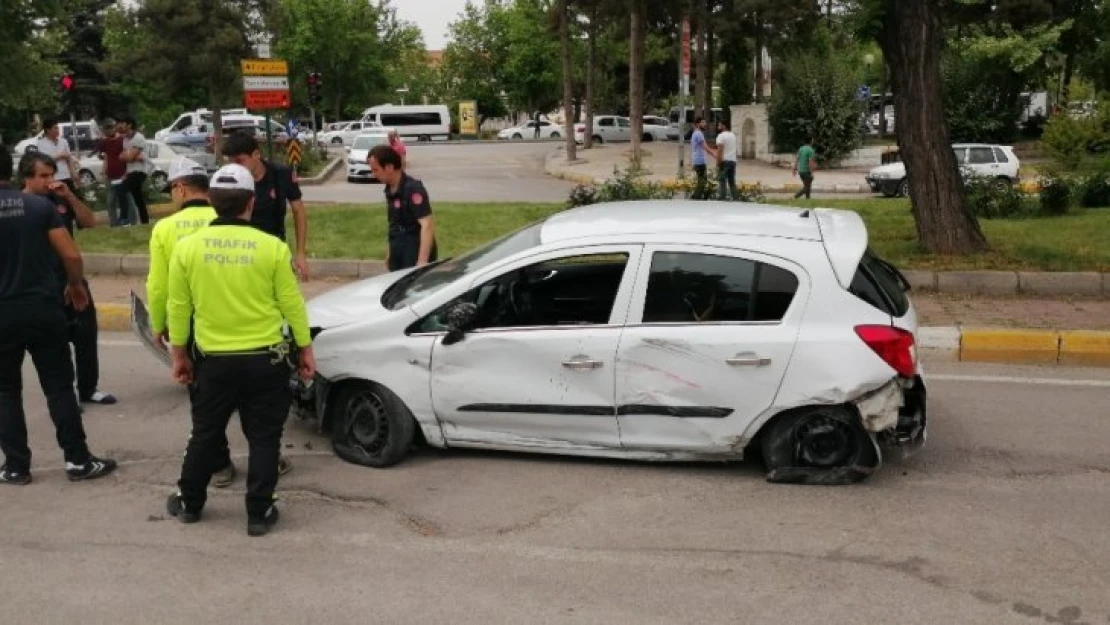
(804, 166)
(412, 239)
(33, 320)
(697, 158)
(54, 145)
(37, 171)
(188, 188)
(398, 146)
(231, 291)
(536, 123)
(275, 191)
(138, 165)
(726, 162)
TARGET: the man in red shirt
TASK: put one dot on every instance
(115, 171)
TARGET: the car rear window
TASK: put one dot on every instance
(880, 284)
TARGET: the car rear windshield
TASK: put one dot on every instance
(880, 284)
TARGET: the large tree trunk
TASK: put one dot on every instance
(912, 42)
(591, 70)
(701, 85)
(636, 76)
(568, 80)
(759, 78)
(710, 59)
(1065, 82)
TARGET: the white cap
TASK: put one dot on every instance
(182, 167)
(232, 176)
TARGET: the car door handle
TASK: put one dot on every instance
(582, 363)
(748, 359)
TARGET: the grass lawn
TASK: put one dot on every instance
(1075, 242)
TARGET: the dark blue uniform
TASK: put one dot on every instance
(405, 209)
(272, 195)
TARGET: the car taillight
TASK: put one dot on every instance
(894, 345)
(580, 127)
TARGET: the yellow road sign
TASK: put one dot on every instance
(264, 67)
(293, 153)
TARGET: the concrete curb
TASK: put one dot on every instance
(1091, 284)
(1016, 347)
(323, 176)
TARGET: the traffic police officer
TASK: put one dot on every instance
(187, 184)
(235, 285)
(32, 319)
(412, 239)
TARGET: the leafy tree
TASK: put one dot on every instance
(531, 74)
(30, 40)
(475, 56)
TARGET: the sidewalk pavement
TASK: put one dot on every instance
(1014, 330)
(596, 165)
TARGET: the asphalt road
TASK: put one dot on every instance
(1000, 519)
(503, 172)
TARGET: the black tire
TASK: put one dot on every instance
(351, 180)
(821, 444)
(424, 138)
(1002, 183)
(158, 180)
(904, 188)
(370, 426)
(598, 140)
(648, 137)
(518, 137)
(336, 141)
(86, 178)
(555, 135)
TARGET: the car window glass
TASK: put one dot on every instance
(878, 283)
(606, 121)
(1000, 156)
(624, 123)
(690, 288)
(961, 156)
(980, 156)
(181, 124)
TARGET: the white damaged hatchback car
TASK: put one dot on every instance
(665, 331)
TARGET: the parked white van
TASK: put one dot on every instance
(198, 117)
(425, 123)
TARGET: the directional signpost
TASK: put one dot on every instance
(293, 153)
(266, 87)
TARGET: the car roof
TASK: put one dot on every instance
(842, 232)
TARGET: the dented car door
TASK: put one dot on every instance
(537, 368)
(709, 337)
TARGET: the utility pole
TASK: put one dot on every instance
(683, 91)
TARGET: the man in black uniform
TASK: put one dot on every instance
(32, 319)
(275, 186)
(412, 229)
(37, 171)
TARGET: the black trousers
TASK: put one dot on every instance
(701, 192)
(83, 336)
(726, 180)
(404, 249)
(259, 391)
(37, 327)
(136, 183)
(807, 184)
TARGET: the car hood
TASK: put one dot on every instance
(357, 301)
(893, 170)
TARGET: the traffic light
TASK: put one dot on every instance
(314, 84)
(67, 88)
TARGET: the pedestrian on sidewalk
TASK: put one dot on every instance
(697, 158)
(398, 146)
(37, 171)
(52, 144)
(412, 241)
(232, 289)
(726, 162)
(275, 191)
(33, 320)
(188, 189)
(804, 166)
(138, 165)
(121, 206)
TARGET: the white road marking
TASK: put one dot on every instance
(1000, 379)
(119, 343)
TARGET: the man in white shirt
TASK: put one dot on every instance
(53, 145)
(726, 161)
(138, 165)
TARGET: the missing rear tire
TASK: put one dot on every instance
(370, 425)
(819, 445)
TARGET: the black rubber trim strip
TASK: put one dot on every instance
(629, 410)
(685, 412)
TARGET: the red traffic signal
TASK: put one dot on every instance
(66, 82)
(313, 78)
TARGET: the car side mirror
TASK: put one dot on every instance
(459, 318)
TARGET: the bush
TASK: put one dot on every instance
(1094, 189)
(1066, 139)
(989, 198)
(1056, 194)
(628, 185)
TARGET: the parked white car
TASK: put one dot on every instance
(668, 331)
(346, 134)
(606, 129)
(527, 131)
(997, 162)
(659, 129)
(161, 156)
(357, 168)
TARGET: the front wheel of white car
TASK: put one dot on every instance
(370, 425)
(818, 445)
